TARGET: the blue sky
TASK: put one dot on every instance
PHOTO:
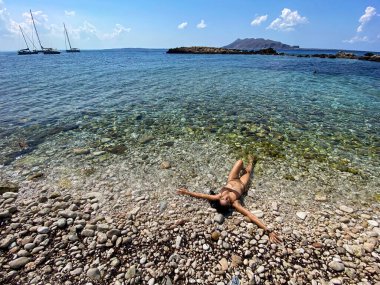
(92, 24)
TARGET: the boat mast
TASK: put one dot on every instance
(34, 25)
(68, 39)
(23, 37)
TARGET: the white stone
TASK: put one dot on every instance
(178, 241)
(346, 209)
(301, 215)
(373, 223)
(43, 230)
(258, 213)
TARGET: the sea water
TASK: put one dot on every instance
(285, 108)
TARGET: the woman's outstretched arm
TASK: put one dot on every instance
(273, 237)
(184, 191)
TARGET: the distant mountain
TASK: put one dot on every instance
(254, 44)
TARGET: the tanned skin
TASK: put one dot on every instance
(230, 198)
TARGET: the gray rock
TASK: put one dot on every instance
(113, 232)
(29, 246)
(134, 211)
(67, 214)
(77, 271)
(43, 230)
(61, 223)
(88, 233)
(94, 273)
(356, 250)
(5, 214)
(336, 266)
(102, 238)
(102, 227)
(19, 262)
(163, 206)
(4, 243)
(151, 281)
(219, 218)
(131, 272)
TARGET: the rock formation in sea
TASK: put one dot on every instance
(214, 50)
(259, 43)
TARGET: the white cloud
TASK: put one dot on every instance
(119, 29)
(70, 13)
(368, 14)
(182, 25)
(287, 21)
(258, 20)
(202, 25)
(356, 39)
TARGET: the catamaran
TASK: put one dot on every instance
(68, 39)
(43, 50)
(26, 50)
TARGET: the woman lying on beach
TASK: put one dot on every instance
(230, 194)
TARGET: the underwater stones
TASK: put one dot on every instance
(320, 198)
(8, 195)
(81, 151)
(165, 165)
(117, 149)
(6, 186)
(35, 176)
(346, 209)
(146, 139)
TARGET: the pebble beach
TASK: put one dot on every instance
(125, 224)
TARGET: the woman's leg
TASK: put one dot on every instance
(244, 179)
(234, 173)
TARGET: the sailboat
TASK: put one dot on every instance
(68, 39)
(25, 51)
(44, 50)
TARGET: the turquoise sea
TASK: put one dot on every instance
(325, 110)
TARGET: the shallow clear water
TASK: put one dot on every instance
(272, 105)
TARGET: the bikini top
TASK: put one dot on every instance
(237, 193)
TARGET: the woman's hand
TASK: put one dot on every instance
(182, 191)
(273, 237)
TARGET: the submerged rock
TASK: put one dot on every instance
(7, 186)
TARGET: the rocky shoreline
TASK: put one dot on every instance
(269, 51)
(106, 225)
